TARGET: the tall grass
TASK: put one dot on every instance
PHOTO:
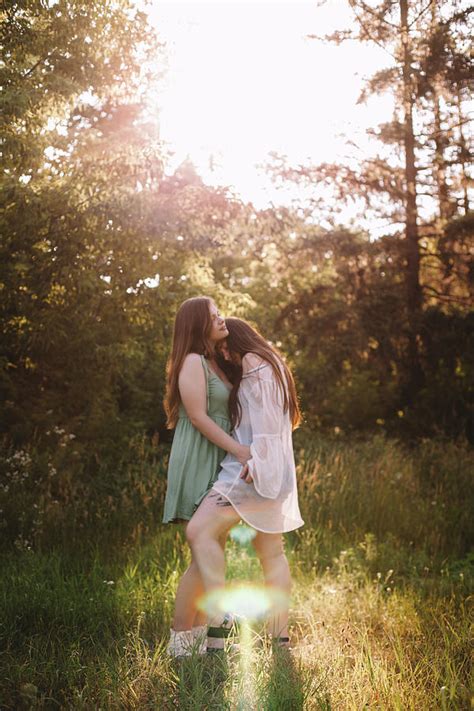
(420, 499)
(379, 614)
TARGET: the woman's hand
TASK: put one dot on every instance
(245, 474)
(242, 453)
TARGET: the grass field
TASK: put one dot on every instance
(379, 613)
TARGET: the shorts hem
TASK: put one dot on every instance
(296, 524)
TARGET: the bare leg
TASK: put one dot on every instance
(190, 589)
(205, 531)
(210, 522)
(276, 571)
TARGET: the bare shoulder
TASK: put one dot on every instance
(191, 380)
(250, 361)
(191, 364)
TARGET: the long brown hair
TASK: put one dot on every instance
(192, 328)
(243, 339)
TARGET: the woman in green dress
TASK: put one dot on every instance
(196, 404)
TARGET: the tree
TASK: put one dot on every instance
(91, 264)
(391, 183)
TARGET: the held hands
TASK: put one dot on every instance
(243, 454)
(245, 474)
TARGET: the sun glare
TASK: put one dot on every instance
(251, 602)
(244, 80)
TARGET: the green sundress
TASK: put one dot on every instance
(194, 460)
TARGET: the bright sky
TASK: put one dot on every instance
(244, 80)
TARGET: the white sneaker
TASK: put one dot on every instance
(182, 643)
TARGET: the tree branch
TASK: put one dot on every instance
(37, 64)
(369, 36)
(422, 12)
(446, 297)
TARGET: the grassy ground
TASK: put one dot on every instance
(379, 611)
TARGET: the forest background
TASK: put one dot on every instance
(100, 244)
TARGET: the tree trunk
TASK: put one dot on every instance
(445, 205)
(414, 295)
(463, 153)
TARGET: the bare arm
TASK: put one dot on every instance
(193, 392)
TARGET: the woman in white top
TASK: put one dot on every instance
(264, 410)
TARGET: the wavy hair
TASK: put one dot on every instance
(243, 339)
(192, 329)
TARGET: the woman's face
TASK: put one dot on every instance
(224, 351)
(227, 355)
(218, 330)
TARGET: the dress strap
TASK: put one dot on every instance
(206, 375)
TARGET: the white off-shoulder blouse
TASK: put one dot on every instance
(270, 503)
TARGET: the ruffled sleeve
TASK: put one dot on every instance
(268, 464)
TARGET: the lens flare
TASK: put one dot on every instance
(252, 602)
(245, 603)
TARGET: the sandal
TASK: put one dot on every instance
(216, 636)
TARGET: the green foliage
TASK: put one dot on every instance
(403, 498)
(379, 614)
(99, 246)
(47, 498)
